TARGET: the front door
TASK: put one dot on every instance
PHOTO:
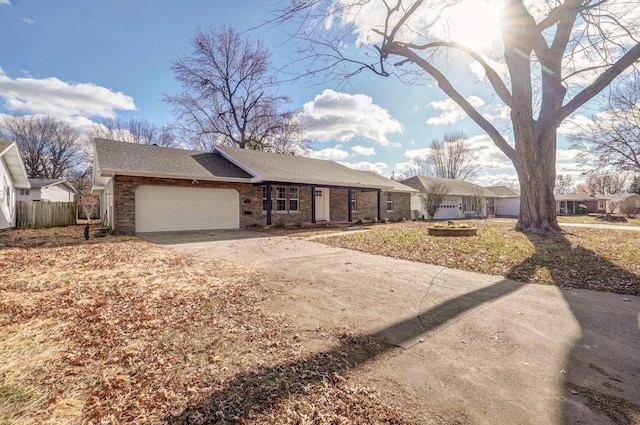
(322, 204)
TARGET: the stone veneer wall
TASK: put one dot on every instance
(251, 213)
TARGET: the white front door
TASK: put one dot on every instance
(322, 204)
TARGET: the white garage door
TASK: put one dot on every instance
(167, 208)
(447, 210)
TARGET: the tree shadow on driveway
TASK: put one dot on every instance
(598, 373)
(602, 371)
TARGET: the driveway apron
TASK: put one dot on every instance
(484, 349)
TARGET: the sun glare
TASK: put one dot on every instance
(475, 24)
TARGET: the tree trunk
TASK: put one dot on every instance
(535, 166)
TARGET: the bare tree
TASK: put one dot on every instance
(477, 201)
(604, 184)
(49, 147)
(134, 130)
(612, 139)
(449, 158)
(555, 57)
(433, 198)
(230, 95)
(564, 184)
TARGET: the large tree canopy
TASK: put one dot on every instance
(50, 148)
(612, 139)
(550, 59)
(230, 95)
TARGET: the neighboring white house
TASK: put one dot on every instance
(626, 202)
(52, 190)
(13, 177)
(460, 202)
(506, 202)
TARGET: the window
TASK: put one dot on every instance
(389, 202)
(354, 201)
(281, 198)
(24, 192)
(469, 206)
(264, 199)
(293, 199)
(600, 205)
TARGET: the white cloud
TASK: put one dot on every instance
(361, 150)
(376, 167)
(501, 179)
(333, 154)
(28, 21)
(342, 117)
(417, 153)
(4, 2)
(60, 99)
(451, 112)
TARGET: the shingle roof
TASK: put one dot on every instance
(580, 197)
(230, 164)
(300, 169)
(42, 183)
(4, 144)
(145, 160)
(622, 196)
(504, 191)
(456, 187)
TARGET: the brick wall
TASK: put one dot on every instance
(366, 204)
(251, 212)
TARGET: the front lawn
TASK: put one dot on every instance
(117, 330)
(600, 259)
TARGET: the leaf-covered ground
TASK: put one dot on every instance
(600, 259)
(117, 330)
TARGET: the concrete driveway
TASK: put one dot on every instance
(474, 348)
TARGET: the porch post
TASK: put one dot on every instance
(268, 204)
(379, 193)
(313, 204)
(349, 205)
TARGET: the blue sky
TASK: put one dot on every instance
(80, 60)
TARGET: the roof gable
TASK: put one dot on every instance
(228, 164)
(44, 183)
(10, 153)
(112, 157)
(456, 187)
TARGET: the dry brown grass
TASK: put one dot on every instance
(600, 259)
(117, 330)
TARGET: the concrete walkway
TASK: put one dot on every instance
(601, 226)
(479, 349)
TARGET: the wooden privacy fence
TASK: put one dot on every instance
(41, 214)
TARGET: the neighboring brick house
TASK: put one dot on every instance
(152, 188)
(566, 204)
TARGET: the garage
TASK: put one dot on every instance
(169, 208)
(447, 211)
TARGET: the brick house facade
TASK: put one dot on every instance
(252, 201)
(170, 187)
